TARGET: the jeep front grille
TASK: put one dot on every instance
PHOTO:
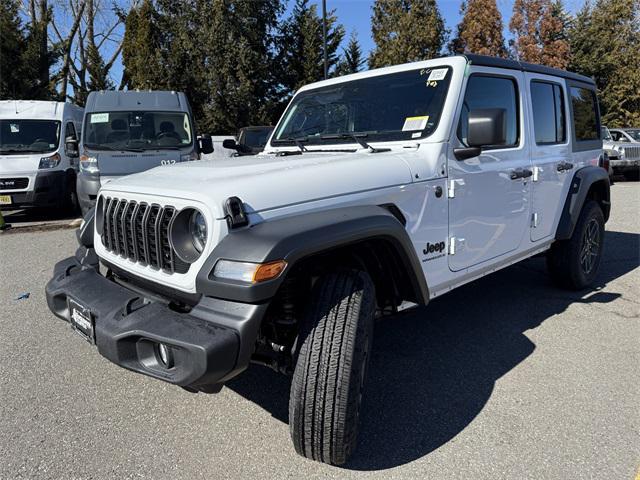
(139, 231)
(631, 153)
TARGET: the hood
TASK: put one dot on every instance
(266, 182)
(21, 164)
(118, 163)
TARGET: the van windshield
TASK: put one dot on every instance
(396, 106)
(137, 130)
(29, 136)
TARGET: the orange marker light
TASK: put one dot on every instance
(269, 271)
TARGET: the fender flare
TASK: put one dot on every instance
(581, 183)
(299, 236)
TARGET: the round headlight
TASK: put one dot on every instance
(198, 230)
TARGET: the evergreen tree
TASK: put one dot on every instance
(352, 60)
(538, 38)
(13, 42)
(480, 30)
(239, 71)
(406, 31)
(141, 48)
(605, 40)
(300, 47)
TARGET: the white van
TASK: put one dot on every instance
(39, 153)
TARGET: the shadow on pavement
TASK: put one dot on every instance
(433, 369)
(36, 215)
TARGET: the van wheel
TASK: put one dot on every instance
(574, 263)
(326, 391)
(69, 204)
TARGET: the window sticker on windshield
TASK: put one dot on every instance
(15, 127)
(99, 118)
(437, 74)
(415, 123)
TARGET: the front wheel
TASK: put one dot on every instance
(574, 263)
(335, 342)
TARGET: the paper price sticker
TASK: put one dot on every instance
(415, 123)
(99, 118)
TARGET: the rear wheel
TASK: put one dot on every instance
(574, 263)
(326, 391)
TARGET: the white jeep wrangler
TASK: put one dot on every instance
(375, 191)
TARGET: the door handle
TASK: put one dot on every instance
(520, 173)
(562, 166)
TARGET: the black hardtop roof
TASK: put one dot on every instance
(486, 61)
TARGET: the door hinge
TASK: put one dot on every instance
(451, 191)
(455, 244)
(536, 174)
(534, 220)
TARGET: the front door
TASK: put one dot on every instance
(489, 195)
(550, 153)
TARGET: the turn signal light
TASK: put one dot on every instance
(268, 271)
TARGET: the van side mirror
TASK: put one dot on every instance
(71, 147)
(487, 127)
(230, 144)
(205, 144)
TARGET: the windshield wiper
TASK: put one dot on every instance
(297, 140)
(358, 137)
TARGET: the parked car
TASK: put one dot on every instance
(131, 131)
(623, 152)
(625, 135)
(39, 154)
(378, 190)
(251, 140)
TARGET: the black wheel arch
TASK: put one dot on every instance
(588, 183)
(370, 235)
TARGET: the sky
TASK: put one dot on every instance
(355, 15)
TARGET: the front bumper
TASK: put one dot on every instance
(210, 344)
(623, 164)
(87, 187)
(48, 190)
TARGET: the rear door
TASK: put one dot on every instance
(550, 152)
(489, 195)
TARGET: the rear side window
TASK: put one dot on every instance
(585, 118)
(548, 113)
(491, 92)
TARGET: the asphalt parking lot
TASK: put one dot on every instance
(507, 377)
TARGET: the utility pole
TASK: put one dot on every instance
(324, 36)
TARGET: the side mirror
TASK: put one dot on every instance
(487, 127)
(205, 144)
(230, 144)
(71, 147)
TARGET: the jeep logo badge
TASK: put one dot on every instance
(7, 183)
(433, 248)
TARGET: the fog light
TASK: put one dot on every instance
(164, 352)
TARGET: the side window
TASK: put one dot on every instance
(484, 91)
(547, 100)
(585, 119)
(70, 131)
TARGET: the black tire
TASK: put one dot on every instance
(326, 391)
(68, 204)
(574, 263)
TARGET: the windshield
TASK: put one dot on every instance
(29, 136)
(137, 130)
(606, 135)
(255, 138)
(634, 133)
(397, 106)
